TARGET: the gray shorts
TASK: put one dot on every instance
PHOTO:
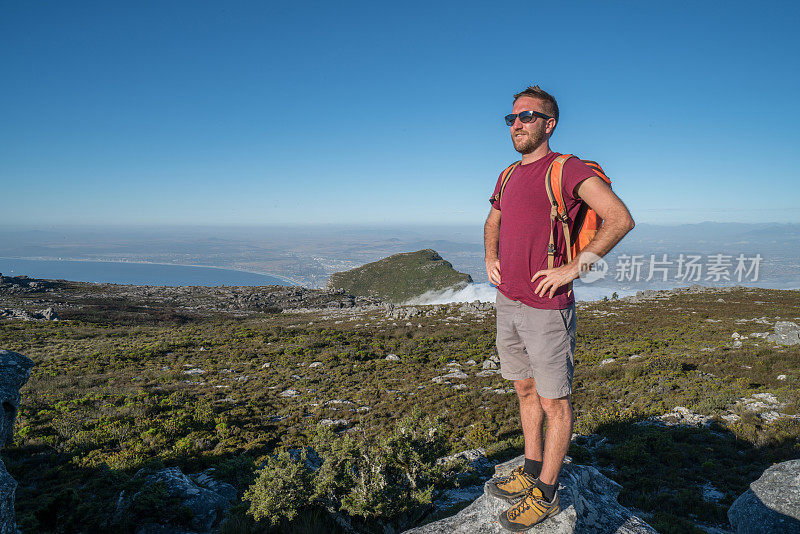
(536, 343)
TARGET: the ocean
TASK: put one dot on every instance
(151, 274)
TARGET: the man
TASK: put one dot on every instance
(536, 321)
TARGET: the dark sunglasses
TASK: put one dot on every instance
(525, 116)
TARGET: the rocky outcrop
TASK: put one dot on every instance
(244, 299)
(14, 372)
(203, 498)
(8, 486)
(786, 333)
(588, 505)
(23, 284)
(772, 504)
(462, 309)
(47, 314)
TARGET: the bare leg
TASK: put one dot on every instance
(532, 416)
(559, 432)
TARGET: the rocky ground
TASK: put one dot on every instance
(72, 299)
(682, 397)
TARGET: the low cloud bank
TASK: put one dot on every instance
(485, 292)
(587, 292)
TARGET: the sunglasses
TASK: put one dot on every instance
(525, 116)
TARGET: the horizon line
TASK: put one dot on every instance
(94, 226)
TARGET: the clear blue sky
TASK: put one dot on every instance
(384, 113)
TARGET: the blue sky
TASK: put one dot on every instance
(388, 113)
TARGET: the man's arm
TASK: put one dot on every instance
(617, 222)
(491, 242)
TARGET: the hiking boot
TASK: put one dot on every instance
(532, 509)
(512, 486)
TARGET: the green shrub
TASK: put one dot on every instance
(386, 479)
(281, 489)
(382, 479)
(203, 412)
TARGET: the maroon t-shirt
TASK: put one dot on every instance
(525, 225)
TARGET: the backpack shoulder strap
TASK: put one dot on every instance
(558, 210)
(553, 184)
(504, 176)
(598, 170)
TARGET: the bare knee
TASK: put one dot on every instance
(526, 389)
(557, 409)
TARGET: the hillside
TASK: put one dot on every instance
(678, 396)
(400, 277)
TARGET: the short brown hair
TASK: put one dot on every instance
(550, 104)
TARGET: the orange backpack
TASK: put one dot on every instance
(586, 221)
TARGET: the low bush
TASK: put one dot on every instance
(388, 479)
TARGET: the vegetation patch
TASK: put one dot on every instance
(400, 277)
(111, 395)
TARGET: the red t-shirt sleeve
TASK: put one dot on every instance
(496, 204)
(575, 171)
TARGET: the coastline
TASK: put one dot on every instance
(84, 260)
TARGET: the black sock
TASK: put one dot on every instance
(548, 490)
(532, 467)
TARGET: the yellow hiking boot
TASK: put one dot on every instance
(512, 486)
(532, 509)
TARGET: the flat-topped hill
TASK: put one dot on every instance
(400, 277)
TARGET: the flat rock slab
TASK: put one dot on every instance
(8, 486)
(588, 505)
(772, 504)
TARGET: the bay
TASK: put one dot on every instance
(152, 274)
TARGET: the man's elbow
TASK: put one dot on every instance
(630, 224)
(625, 219)
(622, 223)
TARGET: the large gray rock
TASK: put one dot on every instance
(786, 333)
(48, 314)
(772, 504)
(8, 486)
(14, 372)
(205, 497)
(588, 505)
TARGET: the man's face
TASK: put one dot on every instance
(527, 137)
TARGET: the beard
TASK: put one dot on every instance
(529, 143)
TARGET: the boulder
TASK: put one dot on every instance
(455, 374)
(14, 372)
(588, 505)
(313, 459)
(475, 459)
(786, 333)
(772, 504)
(48, 314)
(204, 498)
(8, 487)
